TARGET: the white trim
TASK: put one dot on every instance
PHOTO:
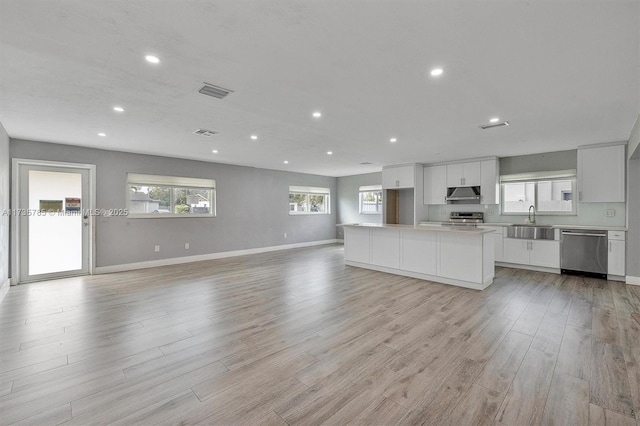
(475, 286)
(632, 280)
(162, 180)
(4, 289)
(340, 241)
(202, 257)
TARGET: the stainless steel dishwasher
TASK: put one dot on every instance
(583, 252)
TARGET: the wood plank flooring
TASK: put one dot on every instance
(297, 338)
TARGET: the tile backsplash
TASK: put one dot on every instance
(594, 214)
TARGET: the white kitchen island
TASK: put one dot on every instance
(462, 256)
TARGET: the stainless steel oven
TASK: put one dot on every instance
(583, 252)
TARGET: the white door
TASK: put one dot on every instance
(54, 221)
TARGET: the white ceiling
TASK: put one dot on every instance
(563, 72)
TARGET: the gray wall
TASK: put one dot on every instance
(252, 206)
(348, 202)
(5, 165)
(545, 162)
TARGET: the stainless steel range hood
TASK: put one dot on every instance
(463, 195)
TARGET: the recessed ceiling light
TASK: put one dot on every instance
(118, 109)
(393, 140)
(215, 151)
(329, 152)
(494, 120)
(436, 72)
(102, 134)
(317, 114)
(254, 137)
(152, 59)
(286, 162)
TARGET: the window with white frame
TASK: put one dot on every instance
(370, 199)
(308, 200)
(170, 196)
(547, 192)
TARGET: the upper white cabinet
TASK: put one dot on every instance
(435, 185)
(601, 174)
(489, 187)
(463, 174)
(398, 177)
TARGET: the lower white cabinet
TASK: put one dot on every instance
(497, 242)
(385, 248)
(542, 253)
(616, 253)
(420, 252)
(357, 245)
(461, 258)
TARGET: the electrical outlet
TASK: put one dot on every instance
(609, 212)
(285, 235)
(157, 249)
(186, 246)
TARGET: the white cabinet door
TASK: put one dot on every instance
(616, 258)
(601, 174)
(497, 242)
(390, 178)
(406, 176)
(489, 187)
(357, 244)
(398, 177)
(544, 253)
(455, 175)
(516, 251)
(471, 176)
(385, 248)
(435, 185)
(419, 252)
(460, 258)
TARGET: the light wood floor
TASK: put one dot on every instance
(295, 337)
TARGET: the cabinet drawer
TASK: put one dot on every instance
(617, 235)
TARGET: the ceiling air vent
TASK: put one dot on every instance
(489, 126)
(215, 91)
(366, 163)
(205, 132)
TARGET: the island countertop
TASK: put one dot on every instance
(423, 228)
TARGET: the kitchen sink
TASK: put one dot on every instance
(531, 232)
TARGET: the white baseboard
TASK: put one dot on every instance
(4, 289)
(340, 241)
(201, 257)
(528, 267)
(632, 280)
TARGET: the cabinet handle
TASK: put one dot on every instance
(609, 246)
(579, 195)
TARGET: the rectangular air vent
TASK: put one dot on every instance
(205, 132)
(366, 163)
(489, 126)
(215, 91)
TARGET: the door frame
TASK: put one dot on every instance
(16, 220)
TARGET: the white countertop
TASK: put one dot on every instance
(589, 227)
(424, 228)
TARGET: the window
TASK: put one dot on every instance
(170, 196)
(548, 192)
(308, 200)
(370, 199)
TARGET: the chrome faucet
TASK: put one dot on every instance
(534, 214)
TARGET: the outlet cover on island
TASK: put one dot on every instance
(285, 235)
(157, 249)
(186, 246)
(610, 212)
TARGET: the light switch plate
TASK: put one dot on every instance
(609, 212)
